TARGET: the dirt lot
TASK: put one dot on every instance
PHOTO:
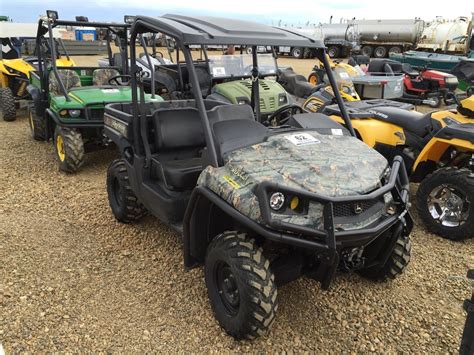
(73, 279)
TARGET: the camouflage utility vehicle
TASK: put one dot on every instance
(68, 103)
(258, 206)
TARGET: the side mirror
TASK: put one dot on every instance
(128, 19)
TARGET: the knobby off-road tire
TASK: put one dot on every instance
(123, 202)
(7, 104)
(462, 180)
(240, 285)
(37, 125)
(69, 149)
(397, 262)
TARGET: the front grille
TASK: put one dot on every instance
(350, 209)
(96, 114)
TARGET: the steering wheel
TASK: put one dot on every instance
(115, 80)
(283, 114)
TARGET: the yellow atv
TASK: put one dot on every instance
(321, 94)
(438, 149)
(316, 77)
(14, 78)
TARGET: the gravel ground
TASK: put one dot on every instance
(73, 279)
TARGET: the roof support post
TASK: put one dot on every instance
(211, 147)
(337, 94)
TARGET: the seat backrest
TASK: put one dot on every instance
(204, 79)
(101, 77)
(230, 135)
(295, 84)
(378, 66)
(69, 78)
(177, 128)
(230, 112)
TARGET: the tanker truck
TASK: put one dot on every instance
(447, 36)
(378, 38)
(339, 38)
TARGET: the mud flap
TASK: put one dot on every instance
(326, 270)
(329, 261)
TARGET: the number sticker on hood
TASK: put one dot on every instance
(110, 91)
(302, 139)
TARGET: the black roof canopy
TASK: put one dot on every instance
(209, 30)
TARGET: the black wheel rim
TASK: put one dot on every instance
(117, 190)
(227, 287)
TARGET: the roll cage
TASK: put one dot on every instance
(47, 23)
(187, 31)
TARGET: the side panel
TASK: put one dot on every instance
(373, 131)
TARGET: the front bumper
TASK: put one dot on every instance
(90, 122)
(329, 237)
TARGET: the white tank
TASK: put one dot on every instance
(447, 36)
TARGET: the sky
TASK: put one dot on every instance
(297, 12)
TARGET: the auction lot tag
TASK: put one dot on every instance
(302, 139)
(110, 91)
(218, 71)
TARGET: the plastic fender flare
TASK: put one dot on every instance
(373, 131)
(4, 74)
(436, 148)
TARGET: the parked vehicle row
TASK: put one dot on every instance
(262, 190)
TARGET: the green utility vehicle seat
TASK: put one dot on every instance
(101, 77)
(69, 78)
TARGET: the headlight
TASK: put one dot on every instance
(242, 100)
(74, 113)
(14, 71)
(277, 199)
(451, 81)
(282, 99)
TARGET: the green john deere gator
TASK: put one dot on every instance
(68, 102)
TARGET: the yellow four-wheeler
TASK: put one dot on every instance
(438, 150)
(14, 78)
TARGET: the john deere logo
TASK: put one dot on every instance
(358, 208)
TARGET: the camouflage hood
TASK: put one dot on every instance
(327, 165)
